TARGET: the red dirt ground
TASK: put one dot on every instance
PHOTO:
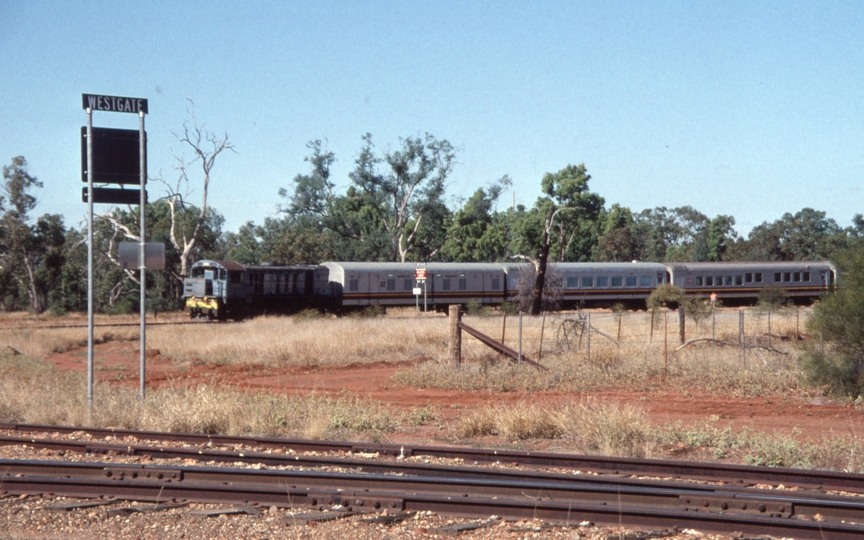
(117, 361)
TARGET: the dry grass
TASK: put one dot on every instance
(287, 341)
(589, 426)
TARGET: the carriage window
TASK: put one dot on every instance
(572, 282)
(602, 281)
(463, 284)
(758, 276)
(796, 276)
(588, 281)
(644, 281)
(787, 276)
(496, 284)
(718, 281)
(407, 284)
(748, 277)
(446, 284)
(776, 277)
(699, 280)
(728, 280)
(617, 281)
(659, 279)
(391, 284)
(631, 281)
(709, 281)
(352, 285)
(806, 276)
(739, 280)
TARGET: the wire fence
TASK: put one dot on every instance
(660, 331)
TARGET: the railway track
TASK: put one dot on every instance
(725, 505)
(743, 475)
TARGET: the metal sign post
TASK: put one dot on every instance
(420, 276)
(113, 158)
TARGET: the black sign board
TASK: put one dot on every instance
(116, 156)
(96, 102)
(114, 195)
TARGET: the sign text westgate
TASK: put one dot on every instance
(114, 103)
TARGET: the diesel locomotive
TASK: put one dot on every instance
(229, 290)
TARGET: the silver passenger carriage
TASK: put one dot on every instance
(393, 284)
(742, 282)
(604, 284)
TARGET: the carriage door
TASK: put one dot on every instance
(307, 286)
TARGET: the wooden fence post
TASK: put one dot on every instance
(455, 336)
(682, 332)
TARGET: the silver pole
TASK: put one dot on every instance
(142, 149)
(89, 265)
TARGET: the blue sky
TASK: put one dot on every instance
(750, 109)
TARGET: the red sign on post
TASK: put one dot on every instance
(420, 273)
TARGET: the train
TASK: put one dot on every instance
(229, 290)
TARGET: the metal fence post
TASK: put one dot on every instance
(588, 339)
(519, 362)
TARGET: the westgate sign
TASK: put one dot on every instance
(113, 103)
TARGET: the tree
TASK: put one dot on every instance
(839, 319)
(804, 236)
(568, 211)
(478, 233)
(188, 222)
(393, 208)
(31, 255)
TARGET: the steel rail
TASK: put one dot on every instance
(447, 496)
(697, 494)
(740, 474)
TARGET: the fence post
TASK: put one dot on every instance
(455, 336)
(741, 335)
(682, 332)
(769, 327)
(588, 340)
(542, 328)
(665, 343)
(651, 336)
(713, 326)
(519, 362)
